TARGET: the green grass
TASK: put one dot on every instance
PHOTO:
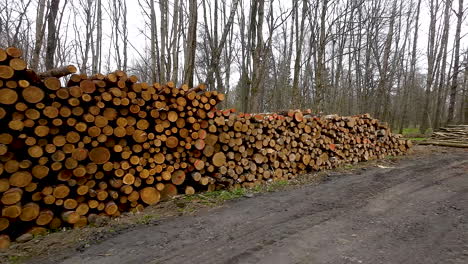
(17, 259)
(412, 131)
(417, 138)
(225, 195)
(276, 185)
(215, 197)
(146, 219)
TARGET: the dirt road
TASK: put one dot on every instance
(413, 212)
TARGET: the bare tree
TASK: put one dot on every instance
(432, 47)
(456, 66)
(51, 34)
(297, 62)
(217, 46)
(191, 47)
(40, 28)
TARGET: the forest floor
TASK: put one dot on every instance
(410, 209)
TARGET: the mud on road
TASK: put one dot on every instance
(412, 211)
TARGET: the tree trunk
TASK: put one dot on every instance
(52, 34)
(40, 27)
(163, 6)
(189, 67)
(443, 53)
(296, 94)
(456, 66)
(320, 70)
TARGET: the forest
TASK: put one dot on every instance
(402, 61)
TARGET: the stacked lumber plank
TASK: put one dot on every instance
(72, 150)
(450, 136)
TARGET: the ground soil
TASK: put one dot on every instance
(408, 210)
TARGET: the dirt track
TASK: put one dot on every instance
(414, 212)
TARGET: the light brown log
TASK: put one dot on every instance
(45, 217)
(445, 144)
(4, 241)
(55, 223)
(128, 179)
(82, 209)
(219, 159)
(14, 52)
(4, 223)
(16, 125)
(35, 151)
(149, 195)
(70, 217)
(70, 204)
(2, 113)
(17, 64)
(6, 138)
(87, 86)
(172, 142)
(82, 222)
(139, 136)
(61, 191)
(58, 72)
(37, 231)
(31, 187)
(29, 212)
(33, 94)
(3, 55)
(189, 190)
(20, 179)
(178, 177)
(170, 190)
(99, 155)
(11, 166)
(41, 131)
(6, 72)
(49, 199)
(12, 196)
(199, 164)
(8, 96)
(4, 184)
(11, 211)
(111, 208)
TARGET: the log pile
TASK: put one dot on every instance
(100, 145)
(450, 136)
(251, 148)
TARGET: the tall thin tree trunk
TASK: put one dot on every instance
(40, 28)
(456, 66)
(155, 62)
(443, 53)
(51, 34)
(407, 94)
(431, 62)
(189, 67)
(97, 58)
(320, 71)
(175, 41)
(163, 6)
(297, 61)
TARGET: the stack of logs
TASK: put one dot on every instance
(249, 149)
(450, 136)
(107, 144)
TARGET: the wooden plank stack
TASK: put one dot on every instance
(107, 144)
